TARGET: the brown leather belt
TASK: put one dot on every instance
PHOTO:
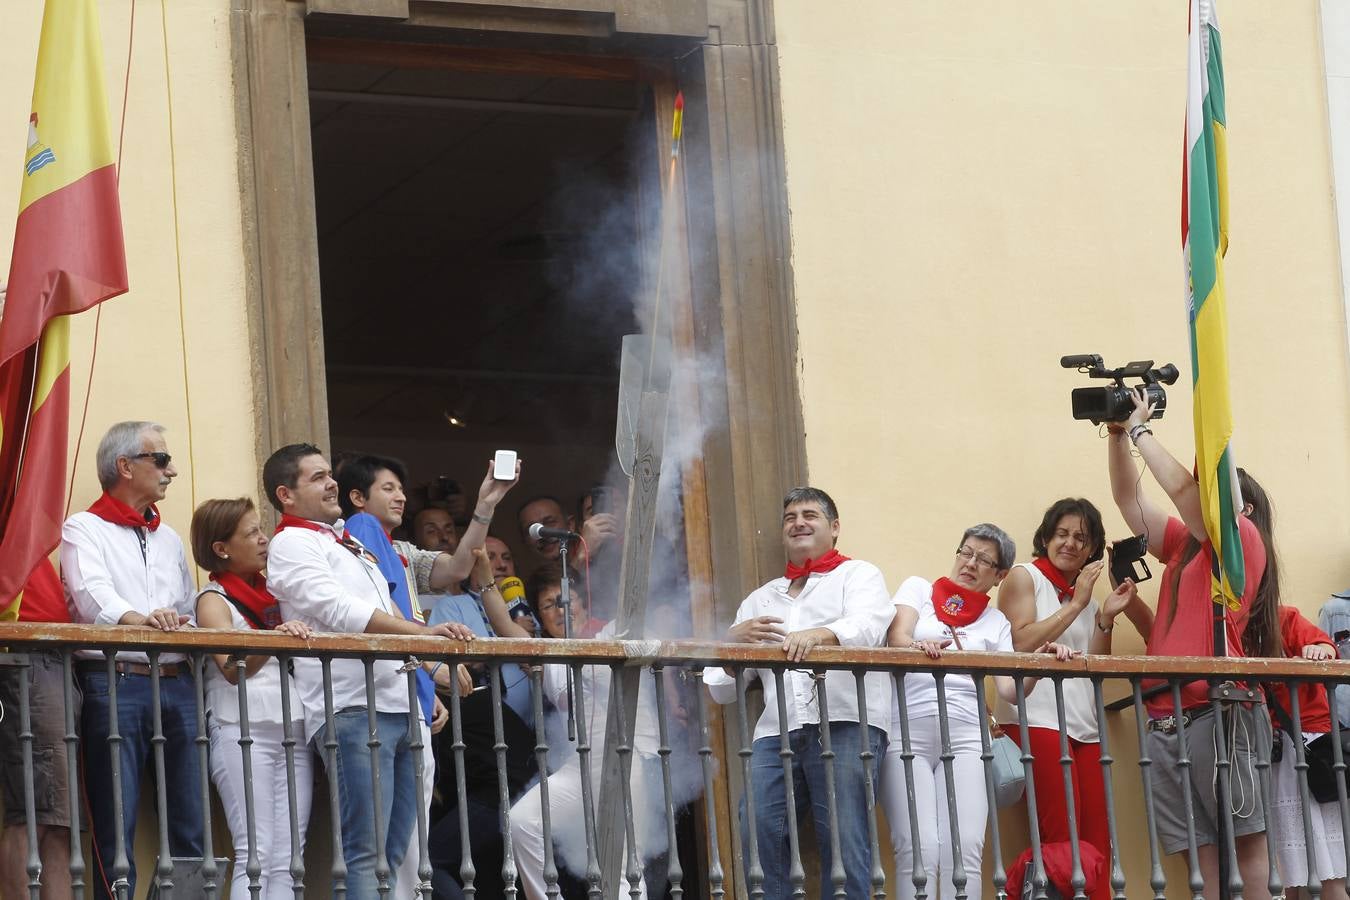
(166, 670)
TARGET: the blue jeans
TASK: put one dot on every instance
(808, 785)
(398, 794)
(183, 785)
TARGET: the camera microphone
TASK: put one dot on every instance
(538, 532)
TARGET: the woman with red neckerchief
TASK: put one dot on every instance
(1050, 599)
(952, 612)
(228, 541)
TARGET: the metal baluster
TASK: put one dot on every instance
(1077, 879)
(416, 747)
(541, 762)
(837, 876)
(252, 865)
(716, 877)
(34, 862)
(1197, 882)
(330, 745)
(72, 741)
(1109, 792)
(292, 802)
(1314, 886)
(503, 787)
(466, 869)
(754, 870)
(987, 757)
(382, 873)
(210, 871)
(959, 876)
(1338, 766)
(578, 699)
(869, 764)
(624, 751)
(796, 874)
(919, 874)
(1224, 800)
(121, 870)
(164, 870)
(1264, 743)
(1038, 879)
(674, 874)
(1157, 880)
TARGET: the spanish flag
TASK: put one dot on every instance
(1204, 235)
(68, 256)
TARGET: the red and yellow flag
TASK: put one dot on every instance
(68, 256)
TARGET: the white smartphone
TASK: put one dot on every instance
(504, 465)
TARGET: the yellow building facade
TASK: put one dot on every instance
(970, 192)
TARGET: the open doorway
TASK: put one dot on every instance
(486, 240)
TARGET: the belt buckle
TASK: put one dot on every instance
(1164, 725)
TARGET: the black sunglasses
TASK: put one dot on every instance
(161, 459)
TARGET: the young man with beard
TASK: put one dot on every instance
(331, 582)
(823, 599)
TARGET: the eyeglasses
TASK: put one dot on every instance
(968, 554)
(161, 459)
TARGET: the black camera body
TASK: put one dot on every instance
(1128, 560)
(1113, 403)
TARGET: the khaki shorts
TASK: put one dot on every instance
(47, 717)
(1246, 727)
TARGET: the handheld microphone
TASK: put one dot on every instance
(538, 532)
(512, 589)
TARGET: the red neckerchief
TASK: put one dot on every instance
(252, 594)
(1055, 577)
(110, 509)
(826, 563)
(290, 521)
(955, 605)
(401, 558)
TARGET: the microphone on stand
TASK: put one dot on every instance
(540, 532)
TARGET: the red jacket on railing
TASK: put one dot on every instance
(1296, 632)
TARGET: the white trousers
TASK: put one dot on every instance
(407, 870)
(933, 806)
(567, 824)
(271, 806)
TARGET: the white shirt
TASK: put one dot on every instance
(1080, 705)
(328, 587)
(110, 570)
(990, 632)
(264, 687)
(852, 602)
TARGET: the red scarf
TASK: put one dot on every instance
(252, 594)
(1055, 577)
(290, 521)
(955, 605)
(110, 509)
(826, 563)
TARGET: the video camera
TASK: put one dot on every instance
(1113, 403)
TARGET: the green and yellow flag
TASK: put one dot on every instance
(1204, 236)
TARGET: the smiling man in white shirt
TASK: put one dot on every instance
(326, 579)
(823, 599)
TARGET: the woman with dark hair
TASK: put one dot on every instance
(1184, 626)
(228, 541)
(1050, 599)
(1288, 633)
